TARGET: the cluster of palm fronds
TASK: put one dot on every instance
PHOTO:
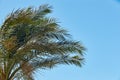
(29, 40)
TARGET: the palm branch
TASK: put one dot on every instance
(30, 40)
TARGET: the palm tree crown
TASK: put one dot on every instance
(30, 40)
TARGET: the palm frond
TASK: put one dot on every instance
(51, 62)
(30, 40)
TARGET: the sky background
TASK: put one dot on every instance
(96, 23)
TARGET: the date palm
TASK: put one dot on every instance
(30, 40)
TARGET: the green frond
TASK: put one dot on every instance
(62, 47)
(42, 11)
(30, 40)
(51, 62)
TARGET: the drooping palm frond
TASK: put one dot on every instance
(30, 40)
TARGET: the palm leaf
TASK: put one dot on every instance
(30, 40)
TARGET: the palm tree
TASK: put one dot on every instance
(30, 40)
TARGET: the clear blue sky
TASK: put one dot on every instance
(96, 23)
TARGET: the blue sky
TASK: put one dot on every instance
(96, 23)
